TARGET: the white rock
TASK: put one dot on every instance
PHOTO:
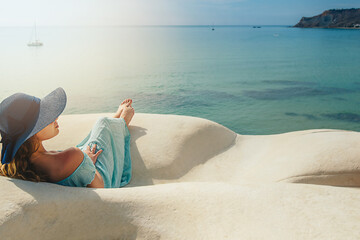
(196, 179)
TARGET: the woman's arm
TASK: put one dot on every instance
(97, 182)
(71, 158)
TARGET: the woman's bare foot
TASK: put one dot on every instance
(127, 114)
(125, 103)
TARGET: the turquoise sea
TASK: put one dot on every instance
(265, 80)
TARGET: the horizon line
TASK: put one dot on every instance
(157, 25)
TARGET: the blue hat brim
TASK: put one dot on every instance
(51, 106)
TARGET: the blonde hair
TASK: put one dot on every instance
(20, 166)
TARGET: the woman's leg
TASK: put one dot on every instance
(125, 111)
(125, 103)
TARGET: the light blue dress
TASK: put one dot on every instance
(114, 163)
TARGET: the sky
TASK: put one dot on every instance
(162, 12)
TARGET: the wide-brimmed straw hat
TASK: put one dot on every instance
(22, 116)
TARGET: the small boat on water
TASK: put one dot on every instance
(36, 42)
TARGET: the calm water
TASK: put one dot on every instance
(254, 81)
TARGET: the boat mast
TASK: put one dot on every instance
(35, 32)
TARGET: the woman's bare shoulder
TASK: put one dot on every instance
(66, 163)
(71, 154)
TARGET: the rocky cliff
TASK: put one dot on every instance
(334, 18)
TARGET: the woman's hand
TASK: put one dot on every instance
(91, 153)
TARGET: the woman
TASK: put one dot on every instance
(101, 160)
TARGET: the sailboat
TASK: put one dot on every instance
(35, 43)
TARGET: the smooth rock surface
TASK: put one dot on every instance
(196, 179)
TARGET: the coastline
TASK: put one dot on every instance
(346, 28)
